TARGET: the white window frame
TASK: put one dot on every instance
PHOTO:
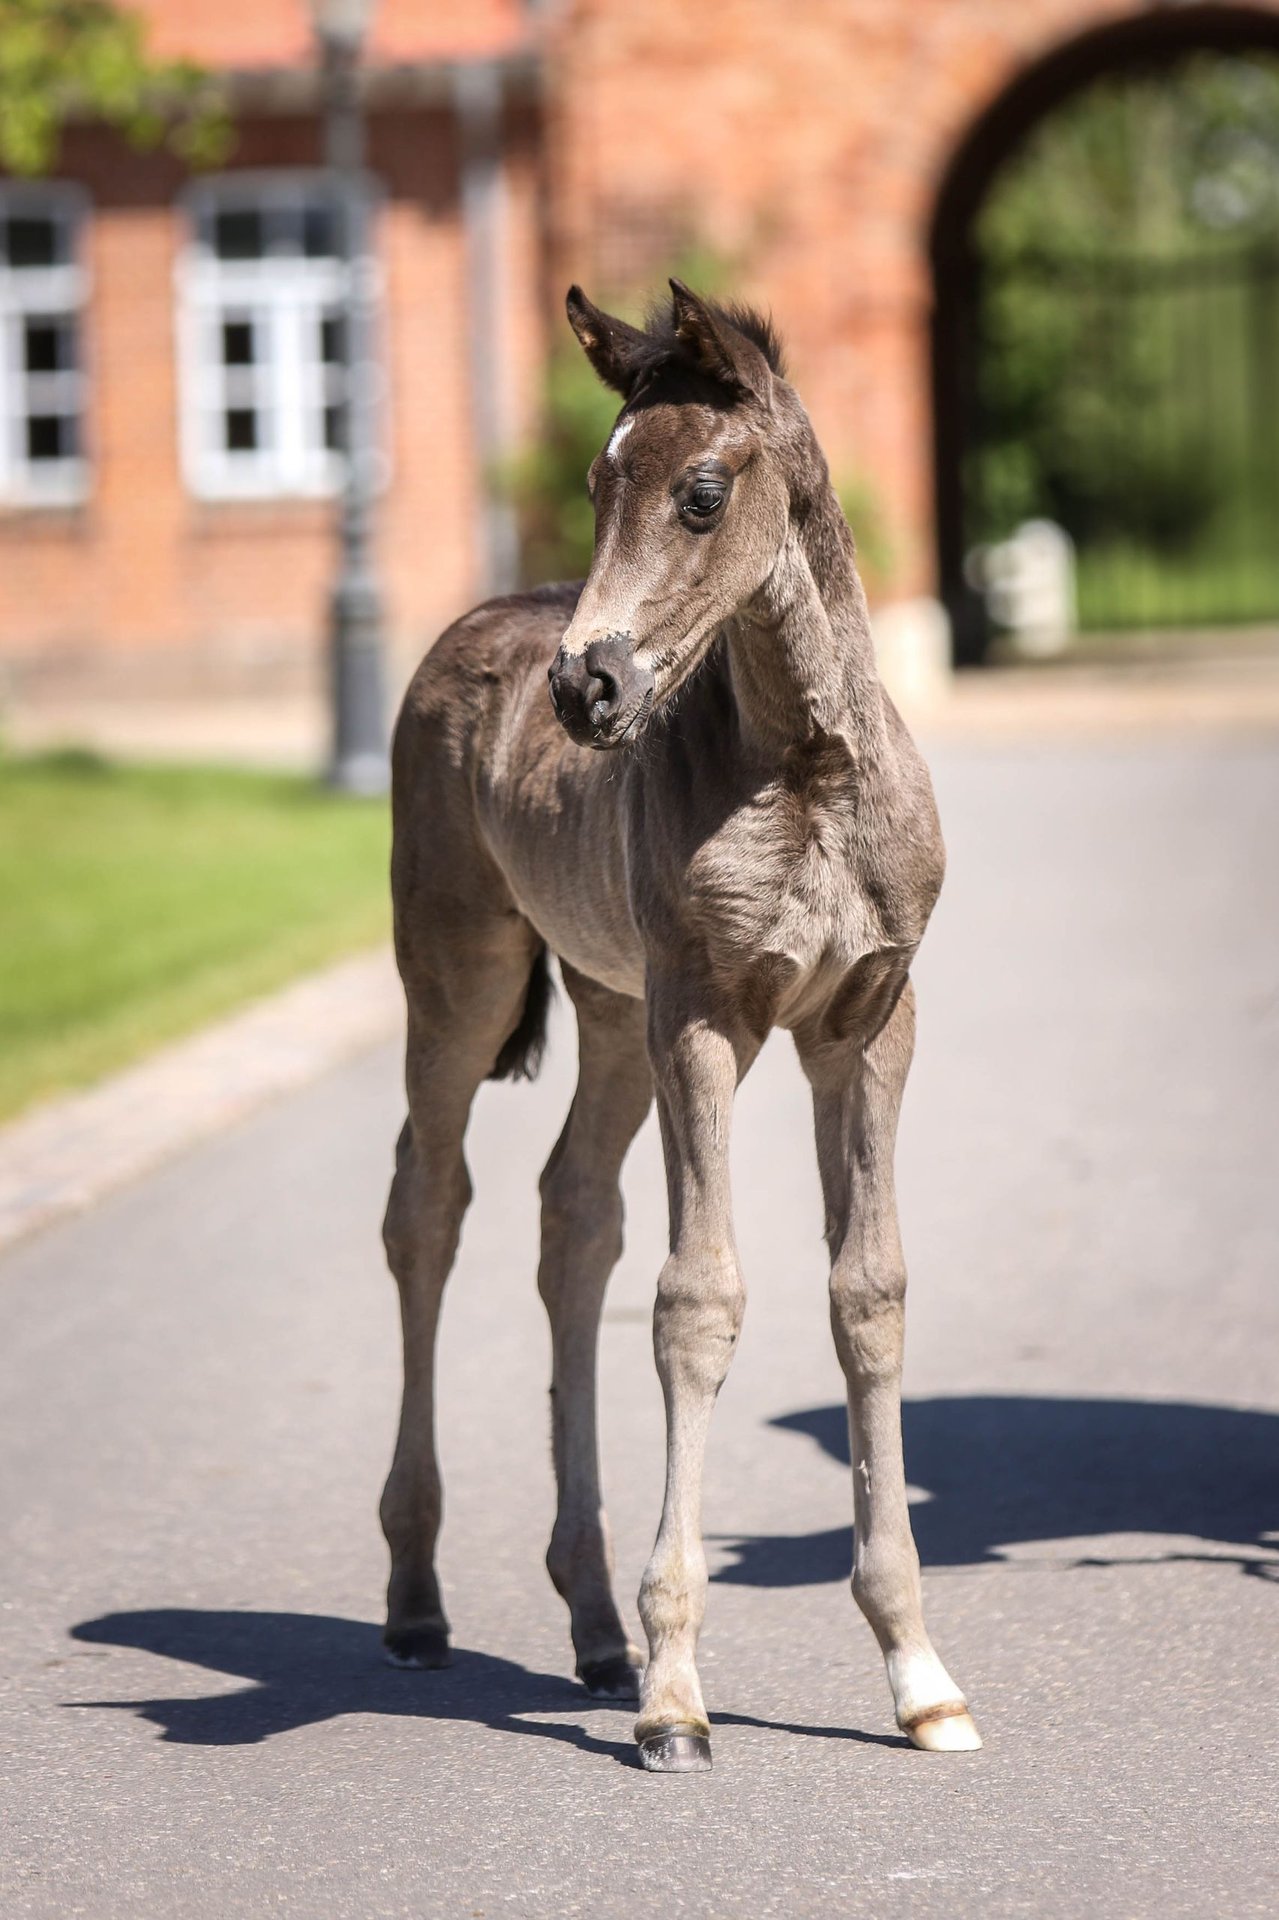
(283, 295)
(59, 292)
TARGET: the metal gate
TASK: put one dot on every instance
(1136, 403)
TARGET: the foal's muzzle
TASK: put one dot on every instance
(601, 695)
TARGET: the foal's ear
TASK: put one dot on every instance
(615, 350)
(716, 347)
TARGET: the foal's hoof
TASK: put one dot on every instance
(415, 1647)
(678, 1749)
(945, 1733)
(617, 1678)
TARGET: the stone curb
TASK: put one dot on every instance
(65, 1155)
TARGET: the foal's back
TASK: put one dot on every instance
(482, 683)
(475, 711)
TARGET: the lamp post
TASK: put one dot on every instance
(357, 667)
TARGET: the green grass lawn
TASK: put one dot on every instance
(1125, 586)
(137, 902)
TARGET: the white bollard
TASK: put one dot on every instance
(1029, 587)
(913, 651)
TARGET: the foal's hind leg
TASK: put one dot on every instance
(456, 1028)
(581, 1243)
(856, 1099)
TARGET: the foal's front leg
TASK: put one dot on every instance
(696, 1321)
(856, 1099)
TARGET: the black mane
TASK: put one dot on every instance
(757, 327)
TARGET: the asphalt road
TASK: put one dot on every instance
(199, 1389)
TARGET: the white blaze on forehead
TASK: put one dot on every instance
(578, 637)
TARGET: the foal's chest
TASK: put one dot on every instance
(792, 891)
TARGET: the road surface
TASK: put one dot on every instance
(199, 1383)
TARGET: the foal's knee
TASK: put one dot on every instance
(701, 1301)
(867, 1310)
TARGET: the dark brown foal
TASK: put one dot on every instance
(762, 852)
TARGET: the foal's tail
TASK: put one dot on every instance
(521, 1053)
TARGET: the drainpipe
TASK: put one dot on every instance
(478, 97)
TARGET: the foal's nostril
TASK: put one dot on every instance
(592, 689)
(602, 697)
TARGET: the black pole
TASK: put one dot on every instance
(356, 620)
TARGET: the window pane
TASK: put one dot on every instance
(241, 429)
(48, 346)
(319, 233)
(52, 436)
(333, 341)
(266, 349)
(237, 343)
(33, 240)
(237, 234)
(335, 429)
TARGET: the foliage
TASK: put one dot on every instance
(1121, 322)
(865, 515)
(141, 901)
(62, 58)
(1162, 164)
(548, 481)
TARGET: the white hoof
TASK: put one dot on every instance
(954, 1733)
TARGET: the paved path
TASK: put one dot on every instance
(199, 1377)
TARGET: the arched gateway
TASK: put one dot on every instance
(837, 153)
(1143, 43)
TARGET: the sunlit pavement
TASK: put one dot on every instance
(199, 1381)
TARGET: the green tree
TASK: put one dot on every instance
(547, 481)
(1164, 164)
(66, 59)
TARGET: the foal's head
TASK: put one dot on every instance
(693, 498)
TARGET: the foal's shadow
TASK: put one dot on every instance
(997, 1471)
(308, 1668)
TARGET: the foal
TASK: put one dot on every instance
(762, 852)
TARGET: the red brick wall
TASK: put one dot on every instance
(146, 586)
(810, 140)
(807, 140)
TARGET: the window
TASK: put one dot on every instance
(264, 363)
(42, 293)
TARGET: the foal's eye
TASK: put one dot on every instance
(703, 501)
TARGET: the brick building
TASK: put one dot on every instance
(172, 376)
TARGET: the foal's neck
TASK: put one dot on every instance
(801, 662)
